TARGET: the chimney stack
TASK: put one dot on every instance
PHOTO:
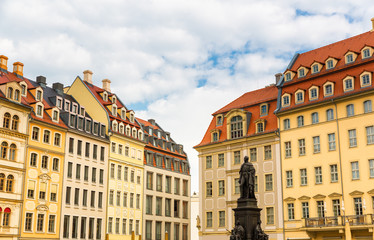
(3, 62)
(152, 121)
(106, 85)
(42, 81)
(87, 76)
(278, 77)
(372, 22)
(18, 68)
(58, 87)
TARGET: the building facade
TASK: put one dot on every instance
(167, 186)
(14, 113)
(244, 127)
(327, 141)
(125, 169)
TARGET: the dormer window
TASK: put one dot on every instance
(105, 96)
(58, 102)
(67, 106)
(38, 95)
(328, 89)
(123, 114)
(82, 111)
(134, 132)
(72, 120)
(313, 93)
(132, 117)
(299, 96)
(348, 84)
(121, 128)
(330, 64)
(74, 108)
(259, 127)
(315, 68)
(80, 123)
(55, 115)
(39, 110)
(349, 58)
(301, 72)
(215, 137)
(366, 52)
(23, 89)
(365, 79)
(264, 109)
(219, 120)
(285, 100)
(150, 131)
(128, 130)
(88, 125)
(288, 76)
(10, 93)
(114, 111)
(140, 135)
(96, 128)
(102, 130)
(114, 126)
(114, 99)
(16, 95)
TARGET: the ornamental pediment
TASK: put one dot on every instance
(289, 199)
(335, 195)
(319, 196)
(371, 191)
(303, 198)
(42, 207)
(44, 177)
(356, 193)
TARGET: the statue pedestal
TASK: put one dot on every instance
(248, 214)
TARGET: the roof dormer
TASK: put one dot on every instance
(299, 96)
(104, 95)
(114, 109)
(38, 93)
(302, 71)
(328, 89)
(313, 93)
(39, 109)
(348, 83)
(114, 99)
(54, 113)
(316, 67)
(366, 52)
(331, 62)
(13, 91)
(350, 57)
(131, 116)
(219, 119)
(23, 88)
(123, 113)
(289, 75)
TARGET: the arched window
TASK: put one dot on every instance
(300, 121)
(128, 130)
(367, 106)
(6, 122)
(16, 95)
(4, 150)
(134, 133)
(350, 110)
(121, 128)
(315, 118)
(236, 127)
(140, 136)
(2, 181)
(6, 217)
(9, 183)
(10, 93)
(286, 124)
(12, 152)
(330, 114)
(15, 121)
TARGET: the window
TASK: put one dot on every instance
(76, 196)
(209, 189)
(55, 115)
(35, 134)
(348, 84)
(320, 209)
(336, 207)
(111, 197)
(352, 138)
(300, 121)
(269, 215)
(86, 169)
(92, 199)
(288, 76)
(260, 127)
(93, 177)
(236, 127)
(370, 134)
(303, 177)
(70, 170)
(331, 139)
(30, 188)
(330, 114)
(289, 179)
(42, 190)
(350, 110)
(112, 169)
(367, 106)
(264, 109)
(291, 211)
(236, 157)
(6, 121)
(51, 223)
(148, 205)
(159, 183)
(79, 148)
(12, 152)
(71, 145)
(286, 100)
(315, 118)
(315, 68)
(33, 159)
(149, 180)
(269, 182)
(318, 175)
(66, 226)
(253, 154)
(301, 147)
(119, 172)
(38, 95)
(28, 222)
(349, 58)
(305, 209)
(365, 80)
(221, 160)
(125, 173)
(15, 121)
(57, 140)
(222, 218)
(219, 120)
(358, 206)
(176, 186)
(366, 53)
(328, 89)
(267, 150)
(371, 168)
(168, 184)
(316, 144)
(355, 171)
(286, 124)
(158, 206)
(84, 198)
(45, 162)
(209, 219)
(110, 225)
(215, 136)
(68, 192)
(313, 93)
(287, 149)
(53, 196)
(301, 72)
(118, 198)
(4, 150)
(100, 201)
(40, 223)
(102, 153)
(221, 187)
(167, 207)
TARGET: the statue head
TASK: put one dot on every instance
(246, 159)
(238, 223)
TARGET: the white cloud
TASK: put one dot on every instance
(157, 51)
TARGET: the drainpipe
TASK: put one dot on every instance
(281, 175)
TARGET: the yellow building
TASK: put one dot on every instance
(14, 114)
(125, 177)
(244, 127)
(43, 165)
(327, 141)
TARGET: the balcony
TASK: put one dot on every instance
(339, 221)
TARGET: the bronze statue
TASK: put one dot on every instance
(247, 179)
(238, 233)
(259, 233)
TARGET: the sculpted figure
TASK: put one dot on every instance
(247, 179)
(238, 233)
(259, 233)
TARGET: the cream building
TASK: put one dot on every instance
(195, 218)
(244, 127)
(167, 186)
(14, 117)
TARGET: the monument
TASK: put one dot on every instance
(247, 214)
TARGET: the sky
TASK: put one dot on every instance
(170, 60)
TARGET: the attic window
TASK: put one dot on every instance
(288, 77)
(328, 89)
(300, 97)
(131, 117)
(55, 115)
(348, 84)
(16, 95)
(264, 110)
(58, 102)
(82, 111)
(74, 108)
(10, 93)
(215, 137)
(349, 58)
(315, 68)
(286, 101)
(123, 114)
(330, 64)
(114, 99)
(105, 96)
(301, 72)
(67, 106)
(259, 127)
(38, 95)
(219, 120)
(114, 111)
(39, 110)
(23, 89)
(313, 93)
(366, 53)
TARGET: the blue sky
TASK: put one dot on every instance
(173, 61)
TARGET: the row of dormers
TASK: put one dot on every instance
(113, 108)
(131, 132)
(330, 63)
(328, 89)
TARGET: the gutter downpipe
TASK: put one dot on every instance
(281, 176)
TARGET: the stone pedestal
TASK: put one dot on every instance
(248, 214)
